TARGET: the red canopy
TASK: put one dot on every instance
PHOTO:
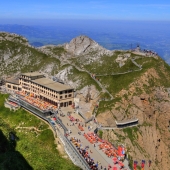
(121, 164)
(119, 150)
(114, 159)
(114, 168)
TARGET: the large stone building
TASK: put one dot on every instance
(36, 85)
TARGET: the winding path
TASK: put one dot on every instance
(100, 85)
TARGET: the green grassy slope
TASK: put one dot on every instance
(104, 65)
(23, 58)
(34, 149)
(116, 83)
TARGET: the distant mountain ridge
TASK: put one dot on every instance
(113, 35)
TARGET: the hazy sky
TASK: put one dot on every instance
(85, 9)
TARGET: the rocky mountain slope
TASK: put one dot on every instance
(127, 83)
(83, 44)
(151, 139)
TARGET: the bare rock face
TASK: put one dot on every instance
(151, 141)
(83, 44)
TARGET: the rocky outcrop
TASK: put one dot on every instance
(4, 36)
(16, 55)
(121, 59)
(83, 45)
(63, 75)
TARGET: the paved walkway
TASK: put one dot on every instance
(94, 152)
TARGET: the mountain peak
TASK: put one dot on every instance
(80, 44)
(83, 45)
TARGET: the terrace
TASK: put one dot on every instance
(39, 103)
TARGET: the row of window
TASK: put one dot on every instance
(23, 80)
(26, 88)
(25, 77)
(70, 95)
(61, 97)
(14, 87)
(52, 95)
(25, 84)
(65, 104)
(42, 89)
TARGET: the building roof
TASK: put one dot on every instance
(13, 80)
(52, 84)
(32, 74)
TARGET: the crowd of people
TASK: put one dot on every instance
(96, 142)
(150, 52)
(85, 153)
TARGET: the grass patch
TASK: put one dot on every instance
(100, 133)
(145, 124)
(58, 51)
(107, 105)
(133, 136)
(131, 133)
(106, 64)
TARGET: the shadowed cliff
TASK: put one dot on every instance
(9, 158)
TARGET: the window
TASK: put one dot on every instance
(61, 104)
(70, 102)
(61, 97)
(70, 95)
(14, 87)
(65, 96)
(9, 86)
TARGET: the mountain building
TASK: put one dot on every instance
(36, 85)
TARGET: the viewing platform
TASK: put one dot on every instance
(126, 123)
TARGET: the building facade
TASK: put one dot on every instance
(36, 85)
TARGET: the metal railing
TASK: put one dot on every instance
(76, 157)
